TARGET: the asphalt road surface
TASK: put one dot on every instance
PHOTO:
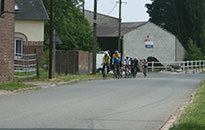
(125, 104)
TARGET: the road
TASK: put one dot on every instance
(125, 104)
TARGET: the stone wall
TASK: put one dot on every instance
(7, 20)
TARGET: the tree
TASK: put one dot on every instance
(184, 18)
(202, 39)
(67, 19)
(193, 52)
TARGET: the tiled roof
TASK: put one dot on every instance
(31, 10)
(111, 29)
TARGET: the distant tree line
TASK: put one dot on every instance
(185, 19)
(68, 22)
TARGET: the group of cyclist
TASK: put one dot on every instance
(118, 65)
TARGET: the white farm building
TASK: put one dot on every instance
(141, 40)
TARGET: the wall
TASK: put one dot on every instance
(180, 51)
(164, 43)
(34, 30)
(73, 62)
(7, 42)
(85, 62)
(29, 48)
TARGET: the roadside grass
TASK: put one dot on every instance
(14, 85)
(18, 82)
(62, 77)
(194, 116)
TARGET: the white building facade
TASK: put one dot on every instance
(166, 47)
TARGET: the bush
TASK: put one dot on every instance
(44, 60)
(193, 52)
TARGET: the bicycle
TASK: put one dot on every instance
(134, 73)
(145, 71)
(105, 71)
(128, 73)
(116, 70)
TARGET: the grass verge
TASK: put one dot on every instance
(14, 85)
(17, 83)
(194, 116)
(63, 77)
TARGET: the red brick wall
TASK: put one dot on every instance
(7, 20)
(85, 62)
(73, 61)
(29, 47)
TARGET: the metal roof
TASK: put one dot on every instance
(111, 29)
(31, 10)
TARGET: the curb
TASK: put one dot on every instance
(42, 85)
(15, 92)
(172, 120)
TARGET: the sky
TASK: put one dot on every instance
(132, 10)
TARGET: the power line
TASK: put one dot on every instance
(112, 9)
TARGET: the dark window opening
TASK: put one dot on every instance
(1, 7)
(18, 48)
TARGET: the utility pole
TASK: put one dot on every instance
(83, 11)
(119, 29)
(50, 40)
(94, 36)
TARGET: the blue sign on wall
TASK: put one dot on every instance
(149, 44)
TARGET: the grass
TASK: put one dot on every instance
(63, 77)
(14, 85)
(194, 116)
(17, 83)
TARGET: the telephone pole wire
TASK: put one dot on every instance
(94, 36)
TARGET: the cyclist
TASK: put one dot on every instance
(144, 66)
(106, 61)
(116, 60)
(134, 67)
(127, 64)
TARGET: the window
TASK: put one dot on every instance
(18, 48)
(1, 7)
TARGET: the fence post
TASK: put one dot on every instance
(88, 62)
(183, 64)
(166, 66)
(197, 69)
(66, 64)
(37, 64)
(152, 66)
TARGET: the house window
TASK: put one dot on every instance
(1, 7)
(18, 48)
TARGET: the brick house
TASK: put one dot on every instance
(142, 40)
(29, 26)
(7, 18)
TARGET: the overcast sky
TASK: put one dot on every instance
(132, 10)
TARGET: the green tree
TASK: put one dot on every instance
(184, 18)
(193, 52)
(202, 39)
(67, 20)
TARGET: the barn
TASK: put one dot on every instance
(141, 40)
